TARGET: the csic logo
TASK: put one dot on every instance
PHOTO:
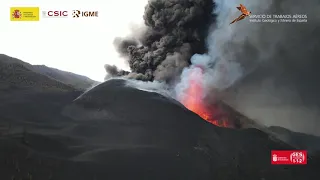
(55, 14)
(78, 14)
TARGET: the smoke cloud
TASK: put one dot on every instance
(283, 90)
(113, 71)
(267, 71)
(175, 30)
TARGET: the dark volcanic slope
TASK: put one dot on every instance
(23, 70)
(78, 81)
(118, 132)
(27, 97)
(16, 75)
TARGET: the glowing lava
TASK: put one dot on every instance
(194, 100)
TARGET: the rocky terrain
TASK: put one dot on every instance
(54, 131)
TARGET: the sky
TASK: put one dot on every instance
(82, 46)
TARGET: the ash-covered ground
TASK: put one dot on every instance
(116, 131)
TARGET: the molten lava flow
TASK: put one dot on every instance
(193, 100)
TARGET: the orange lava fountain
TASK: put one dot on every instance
(193, 100)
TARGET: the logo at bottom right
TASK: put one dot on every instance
(287, 157)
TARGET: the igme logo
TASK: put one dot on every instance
(78, 13)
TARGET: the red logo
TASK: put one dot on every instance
(16, 14)
(296, 157)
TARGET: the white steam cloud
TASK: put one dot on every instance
(285, 50)
(221, 66)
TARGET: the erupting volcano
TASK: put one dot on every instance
(194, 99)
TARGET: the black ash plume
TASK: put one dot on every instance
(175, 30)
